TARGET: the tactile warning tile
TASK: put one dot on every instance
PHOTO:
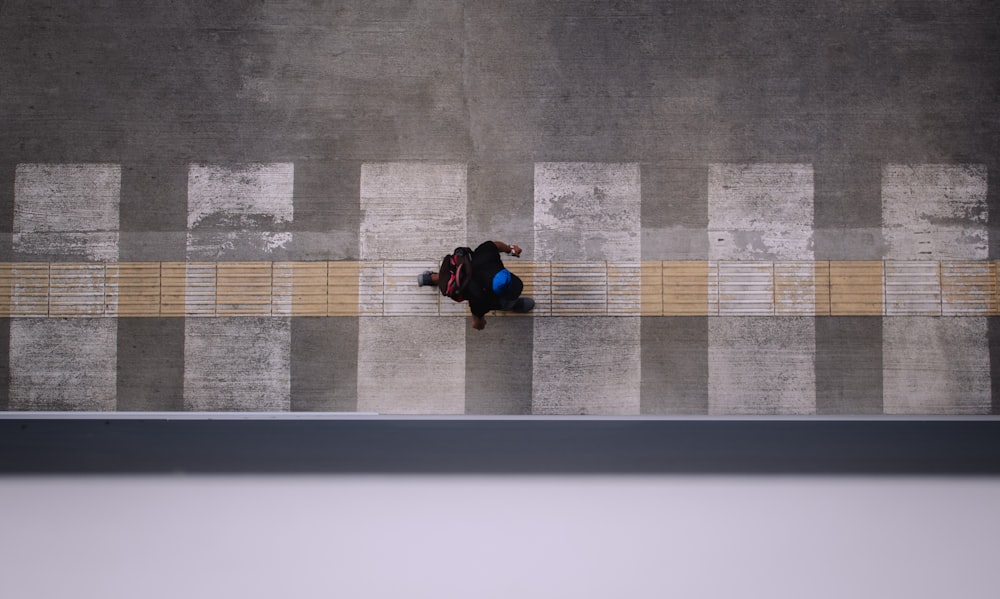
(746, 288)
(343, 288)
(243, 289)
(299, 289)
(187, 289)
(579, 289)
(382, 288)
(856, 288)
(624, 289)
(537, 279)
(76, 289)
(133, 289)
(24, 289)
(912, 288)
(690, 288)
(801, 288)
(968, 288)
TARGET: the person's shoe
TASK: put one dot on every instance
(424, 278)
(523, 304)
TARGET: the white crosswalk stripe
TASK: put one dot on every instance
(586, 365)
(409, 360)
(932, 365)
(67, 211)
(237, 363)
(759, 365)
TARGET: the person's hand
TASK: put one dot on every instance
(478, 322)
(515, 250)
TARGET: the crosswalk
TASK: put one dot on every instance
(760, 286)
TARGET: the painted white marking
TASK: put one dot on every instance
(586, 365)
(67, 210)
(935, 212)
(935, 365)
(586, 212)
(239, 210)
(412, 365)
(236, 195)
(237, 364)
(63, 364)
(760, 211)
(761, 365)
(412, 214)
(412, 211)
(932, 365)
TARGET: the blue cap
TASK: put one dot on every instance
(501, 281)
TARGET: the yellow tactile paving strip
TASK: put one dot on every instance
(347, 288)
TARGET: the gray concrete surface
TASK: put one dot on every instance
(676, 89)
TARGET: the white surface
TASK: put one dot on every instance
(587, 212)
(586, 365)
(413, 210)
(761, 365)
(369, 537)
(934, 212)
(237, 363)
(233, 193)
(760, 211)
(412, 365)
(63, 364)
(935, 365)
(68, 210)
(253, 199)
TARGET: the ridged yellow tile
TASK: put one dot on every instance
(133, 289)
(243, 289)
(686, 288)
(856, 288)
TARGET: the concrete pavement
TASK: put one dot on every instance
(386, 133)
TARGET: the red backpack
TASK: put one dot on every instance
(455, 274)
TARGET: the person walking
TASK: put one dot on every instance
(487, 285)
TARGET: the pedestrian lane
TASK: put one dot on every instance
(759, 289)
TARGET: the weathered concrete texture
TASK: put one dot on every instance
(586, 365)
(760, 211)
(5, 363)
(239, 212)
(936, 365)
(847, 214)
(674, 365)
(63, 364)
(411, 365)
(324, 365)
(501, 204)
(498, 366)
(327, 212)
(674, 212)
(67, 211)
(412, 211)
(237, 364)
(150, 364)
(935, 212)
(849, 365)
(587, 212)
(762, 366)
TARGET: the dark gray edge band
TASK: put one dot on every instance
(504, 446)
